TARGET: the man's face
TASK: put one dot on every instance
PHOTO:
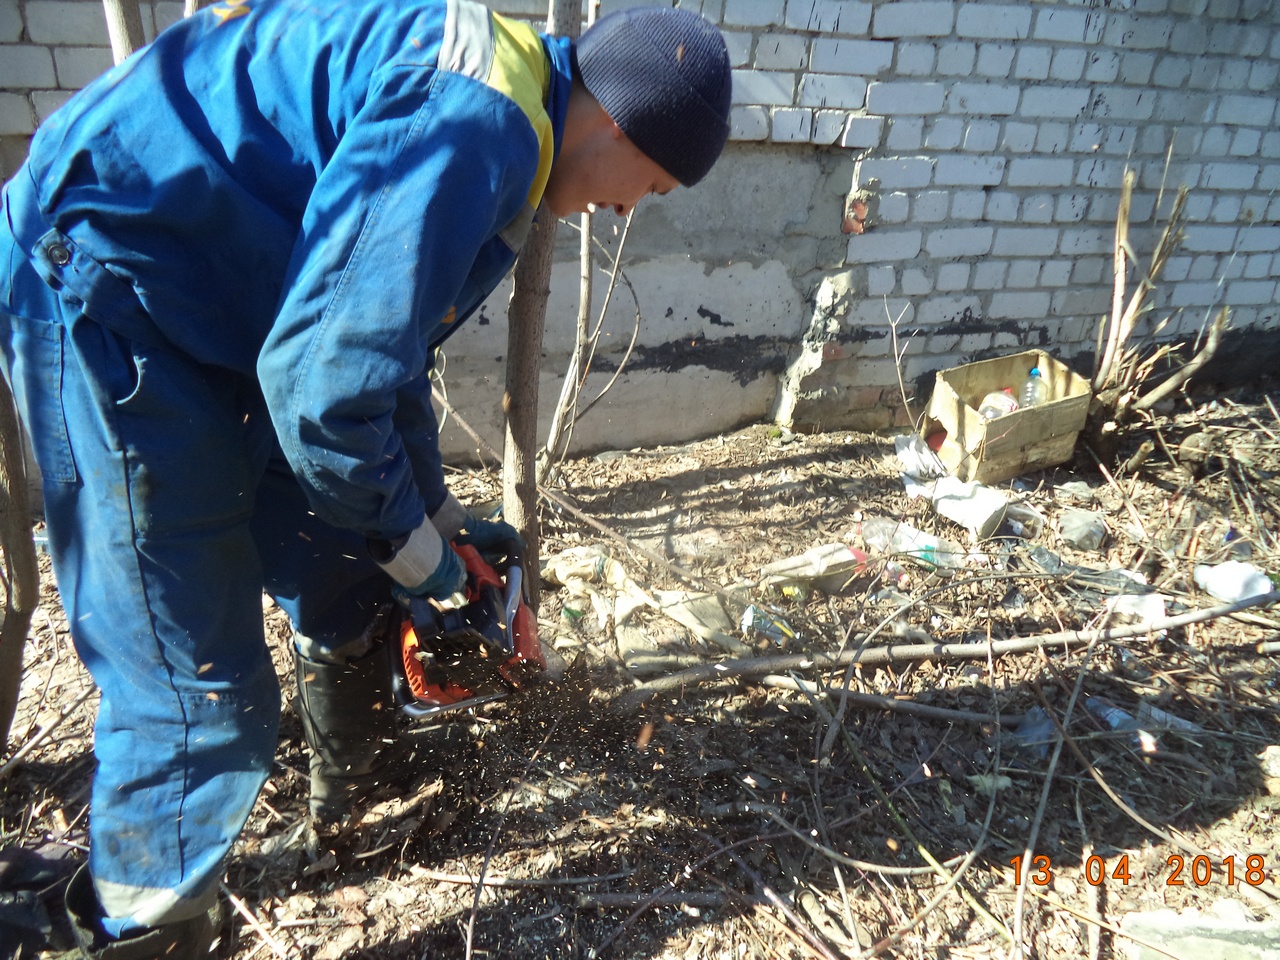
(601, 171)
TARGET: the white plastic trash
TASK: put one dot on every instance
(1231, 581)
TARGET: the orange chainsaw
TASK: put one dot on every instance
(481, 651)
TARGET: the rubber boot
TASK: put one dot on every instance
(182, 940)
(349, 721)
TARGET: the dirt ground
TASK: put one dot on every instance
(732, 813)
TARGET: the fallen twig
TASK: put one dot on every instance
(254, 924)
(758, 666)
(890, 703)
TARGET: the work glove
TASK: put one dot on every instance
(422, 564)
(487, 536)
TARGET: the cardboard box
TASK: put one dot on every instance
(1030, 438)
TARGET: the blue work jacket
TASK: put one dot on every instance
(314, 193)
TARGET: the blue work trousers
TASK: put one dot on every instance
(169, 510)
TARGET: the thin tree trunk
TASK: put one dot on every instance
(21, 577)
(124, 26)
(527, 316)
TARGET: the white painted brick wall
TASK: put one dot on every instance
(993, 134)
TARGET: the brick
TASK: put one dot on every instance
(915, 59)
(167, 14)
(1002, 207)
(1258, 266)
(877, 246)
(983, 99)
(781, 51)
(10, 22)
(905, 18)
(975, 342)
(953, 276)
(895, 173)
(906, 135)
(829, 16)
(1023, 274)
(1038, 208)
(24, 67)
(1071, 208)
(47, 101)
(1060, 25)
(1137, 32)
(1190, 38)
(1087, 303)
(1019, 137)
(1096, 172)
(990, 274)
(941, 310)
(1249, 111)
(871, 313)
(1019, 306)
(1236, 39)
(1063, 102)
(1052, 137)
(77, 66)
(1270, 148)
(1122, 103)
(1258, 238)
(981, 136)
(1175, 269)
(1025, 241)
(953, 170)
(945, 133)
(904, 97)
(1229, 176)
(956, 59)
(1029, 172)
(738, 44)
(1056, 273)
(1188, 294)
(931, 206)
(895, 208)
(917, 283)
(967, 205)
(56, 22)
(881, 281)
(959, 242)
(749, 123)
(1084, 240)
(994, 59)
(828, 126)
(753, 13)
(1135, 68)
(1103, 66)
(1226, 209)
(791, 125)
(769, 88)
(861, 58)
(1171, 72)
(1215, 142)
(830, 90)
(16, 116)
(1068, 64)
(989, 21)
(1033, 63)
(862, 132)
(1264, 75)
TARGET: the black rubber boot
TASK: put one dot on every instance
(182, 940)
(349, 721)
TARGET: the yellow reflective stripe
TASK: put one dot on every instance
(521, 71)
(230, 10)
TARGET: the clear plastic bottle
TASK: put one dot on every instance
(1034, 389)
(884, 535)
(997, 403)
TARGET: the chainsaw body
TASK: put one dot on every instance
(455, 658)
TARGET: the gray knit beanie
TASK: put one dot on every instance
(663, 75)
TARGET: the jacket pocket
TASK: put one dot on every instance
(35, 355)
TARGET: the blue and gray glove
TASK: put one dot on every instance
(422, 564)
(460, 525)
(488, 536)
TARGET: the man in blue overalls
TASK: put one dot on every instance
(225, 269)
